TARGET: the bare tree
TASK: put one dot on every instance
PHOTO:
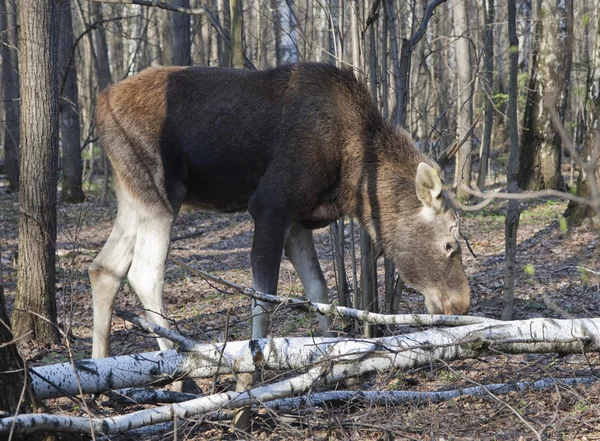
(35, 304)
(237, 34)
(10, 90)
(462, 172)
(103, 74)
(513, 214)
(69, 116)
(14, 376)
(179, 26)
(488, 83)
(540, 155)
(578, 212)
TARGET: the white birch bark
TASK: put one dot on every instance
(351, 357)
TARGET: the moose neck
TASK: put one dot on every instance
(380, 181)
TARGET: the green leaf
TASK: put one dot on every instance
(584, 275)
(562, 223)
(529, 269)
(585, 19)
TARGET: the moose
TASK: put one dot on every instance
(297, 146)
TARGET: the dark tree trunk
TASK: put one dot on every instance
(12, 375)
(276, 30)
(104, 79)
(489, 92)
(69, 116)
(9, 76)
(225, 21)
(513, 214)
(576, 213)
(35, 303)
(181, 49)
(540, 155)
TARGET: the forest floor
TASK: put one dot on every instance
(557, 277)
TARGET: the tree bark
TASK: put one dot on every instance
(345, 357)
(463, 165)
(576, 213)
(12, 374)
(237, 34)
(104, 78)
(9, 76)
(513, 214)
(540, 155)
(179, 24)
(72, 166)
(35, 303)
(488, 84)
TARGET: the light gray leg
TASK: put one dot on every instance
(146, 274)
(107, 272)
(300, 249)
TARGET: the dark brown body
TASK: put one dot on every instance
(297, 146)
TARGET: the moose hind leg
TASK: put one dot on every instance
(106, 273)
(300, 249)
(146, 274)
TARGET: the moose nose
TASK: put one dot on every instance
(459, 305)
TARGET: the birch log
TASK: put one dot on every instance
(346, 357)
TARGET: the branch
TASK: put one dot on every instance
(423, 26)
(453, 149)
(341, 311)
(373, 15)
(489, 197)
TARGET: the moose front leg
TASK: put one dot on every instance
(300, 249)
(270, 231)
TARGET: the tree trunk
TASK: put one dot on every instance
(513, 214)
(35, 303)
(12, 375)
(237, 34)
(104, 78)
(576, 213)
(275, 17)
(9, 77)
(225, 22)
(462, 171)
(179, 24)
(69, 116)
(540, 155)
(489, 92)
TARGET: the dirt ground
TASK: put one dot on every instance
(557, 277)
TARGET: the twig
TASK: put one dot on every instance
(424, 21)
(489, 197)
(222, 350)
(451, 151)
(340, 311)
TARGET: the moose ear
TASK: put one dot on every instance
(429, 187)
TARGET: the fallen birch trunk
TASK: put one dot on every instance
(212, 403)
(367, 398)
(349, 357)
(396, 397)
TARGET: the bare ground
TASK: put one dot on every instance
(558, 277)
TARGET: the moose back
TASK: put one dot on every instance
(297, 146)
